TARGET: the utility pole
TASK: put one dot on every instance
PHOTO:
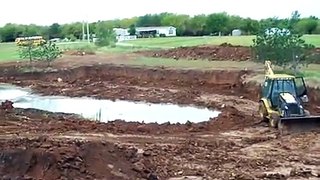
(88, 33)
(83, 33)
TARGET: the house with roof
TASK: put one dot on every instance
(123, 34)
(156, 31)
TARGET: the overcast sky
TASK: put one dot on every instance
(46, 12)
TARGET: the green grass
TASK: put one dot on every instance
(312, 39)
(171, 42)
(8, 51)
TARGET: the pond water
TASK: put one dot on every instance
(105, 110)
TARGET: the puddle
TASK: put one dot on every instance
(106, 110)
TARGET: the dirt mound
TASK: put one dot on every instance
(6, 105)
(222, 52)
(48, 159)
(225, 51)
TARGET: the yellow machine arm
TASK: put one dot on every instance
(268, 68)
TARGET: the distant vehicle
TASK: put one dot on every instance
(24, 41)
(55, 40)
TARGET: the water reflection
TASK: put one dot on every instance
(106, 110)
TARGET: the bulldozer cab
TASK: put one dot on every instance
(274, 86)
(282, 100)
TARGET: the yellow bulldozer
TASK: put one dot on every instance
(282, 103)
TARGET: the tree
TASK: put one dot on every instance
(149, 20)
(234, 22)
(307, 25)
(44, 52)
(132, 29)
(10, 32)
(217, 23)
(292, 22)
(250, 26)
(73, 30)
(31, 30)
(127, 22)
(28, 51)
(197, 25)
(105, 35)
(178, 21)
(48, 52)
(283, 47)
(317, 30)
(54, 31)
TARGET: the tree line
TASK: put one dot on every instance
(199, 25)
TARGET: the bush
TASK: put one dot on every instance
(44, 52)
(105, 36)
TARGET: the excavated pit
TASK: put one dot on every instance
(234, 145)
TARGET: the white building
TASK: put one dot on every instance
(123, 34)
(236, 32)
(162, 31)
(121, 31)
(165, 31)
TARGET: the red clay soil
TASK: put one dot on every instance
(135, 83)
(41, 158)
(222, 52)
(38, 121)
(31, 150)
(99, 76)
(59, 146)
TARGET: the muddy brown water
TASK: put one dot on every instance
(106, 110)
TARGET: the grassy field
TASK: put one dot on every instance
(171, 42)
(9, 51)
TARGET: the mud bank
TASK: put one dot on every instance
(218, 81)
(42, 158)
(52, 146)
(222, 52)
(136, 83)
(153, 85)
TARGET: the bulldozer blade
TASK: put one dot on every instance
(299, 124)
